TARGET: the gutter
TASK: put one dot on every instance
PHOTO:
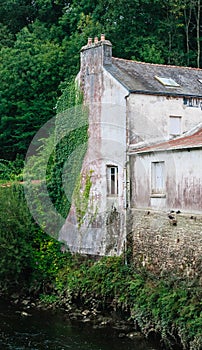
(175, 94)
(185, 148)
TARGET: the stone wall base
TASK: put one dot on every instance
(161, 244)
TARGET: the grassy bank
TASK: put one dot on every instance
(163, 306)
(33, 263)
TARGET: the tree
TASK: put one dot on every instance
(197, 13)
(30, 74)
(6, 37)
(16, 14)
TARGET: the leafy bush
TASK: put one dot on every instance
(11, 170)
(29, 258)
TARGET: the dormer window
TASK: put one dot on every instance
(167, 81)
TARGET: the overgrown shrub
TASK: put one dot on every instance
(29, 258)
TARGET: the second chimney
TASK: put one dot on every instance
(102, 37)
(89, 41)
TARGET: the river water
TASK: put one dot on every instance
(40, 330)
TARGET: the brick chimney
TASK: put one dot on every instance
(95, 55)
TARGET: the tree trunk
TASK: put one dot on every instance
(187, 20)
(198, 9)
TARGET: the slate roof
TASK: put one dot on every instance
(183, 142)
(139, 77)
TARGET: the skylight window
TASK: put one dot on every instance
(200, 81)
(167, 81)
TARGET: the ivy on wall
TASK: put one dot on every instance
(81, 197)
(71, 136)
(57, 161)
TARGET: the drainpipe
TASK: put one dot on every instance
(126, 185)
(127, 163)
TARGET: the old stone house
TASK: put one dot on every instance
(144, 150)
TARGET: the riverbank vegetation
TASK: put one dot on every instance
(32, 263)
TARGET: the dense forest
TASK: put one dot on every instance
(40, 42)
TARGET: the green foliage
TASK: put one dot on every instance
(15, 231)
(49, 258)
(81, 196)
(40, 42)
(70, 138)
(32, 261)
(11, 170)
(171, 309)
(6, 37)
(30, 73)
(29, 259)
(48, 299)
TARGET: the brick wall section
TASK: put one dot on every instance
(161, 246)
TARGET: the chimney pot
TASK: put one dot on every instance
(96, 40)
(102, 37)
(89, 41)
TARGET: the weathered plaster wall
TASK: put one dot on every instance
(149, 116)
(102, 231)
(161, 247)
(183, 180)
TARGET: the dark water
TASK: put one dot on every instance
(45, 330)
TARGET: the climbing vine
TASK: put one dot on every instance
(71, 136)
(81, 197)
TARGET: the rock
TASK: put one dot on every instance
(133, 335)
(122, 335)
(85, 312)
(23, 313)
(123, 326)
(15, 296)
(95, 312)
(98, 326)
(85, 320)
(75, 315)
(104, 320)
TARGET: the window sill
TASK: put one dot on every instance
(158, 195)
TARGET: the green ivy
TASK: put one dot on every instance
(81, 197)
(71, 136)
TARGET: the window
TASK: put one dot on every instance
(167, 81)
(175, 125)
(158, 177)
(112, 180)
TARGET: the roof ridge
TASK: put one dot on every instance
(156, 64)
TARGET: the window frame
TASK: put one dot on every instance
(112, 180)
(171, 127)
(167, 81)
(158, 167)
